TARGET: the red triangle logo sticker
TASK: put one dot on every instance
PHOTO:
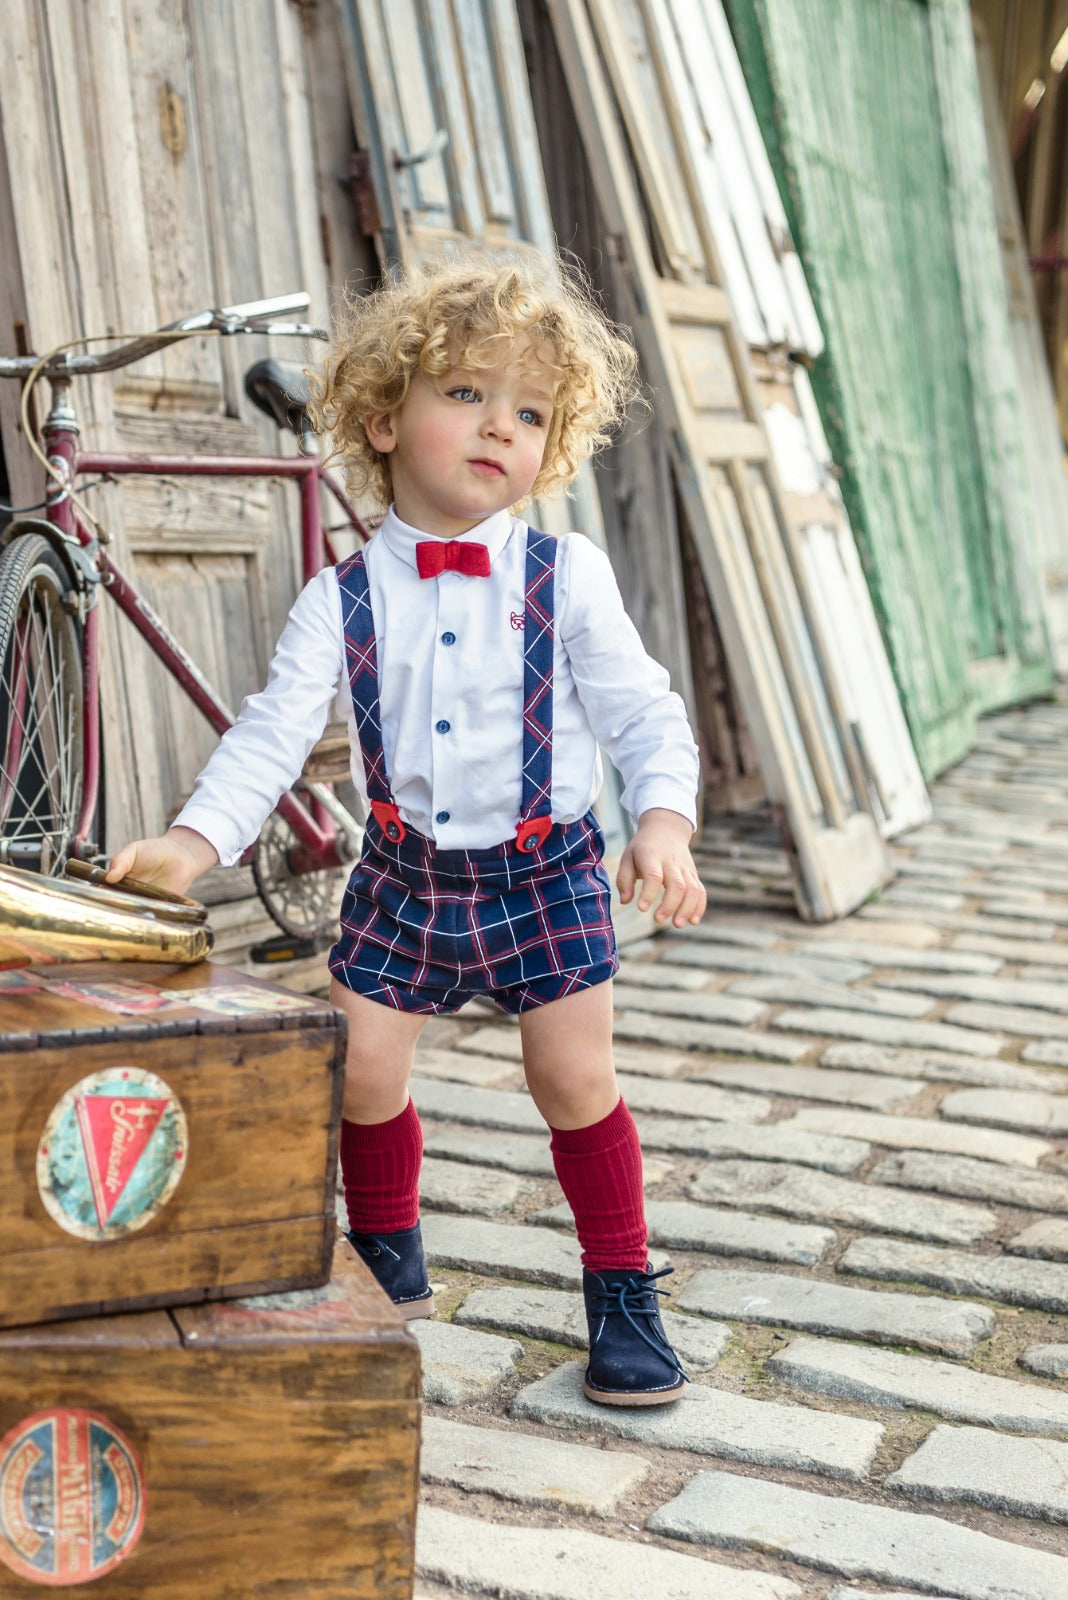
(115, 1131)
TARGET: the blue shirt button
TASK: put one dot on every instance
(448, 638)
(442, 816)
(443, 726)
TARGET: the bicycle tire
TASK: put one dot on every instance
(41, 706)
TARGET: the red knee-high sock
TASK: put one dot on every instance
(600, 1172)
(380, 1171)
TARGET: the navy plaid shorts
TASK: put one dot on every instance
(426, 930)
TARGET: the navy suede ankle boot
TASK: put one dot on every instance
(631, 1362)
(396, 1260)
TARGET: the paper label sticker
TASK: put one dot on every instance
(112, 1153)
(72, 1497)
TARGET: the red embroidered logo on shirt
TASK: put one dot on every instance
(518, 620)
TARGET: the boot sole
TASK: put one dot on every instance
(416, 1308)
(606, 1397)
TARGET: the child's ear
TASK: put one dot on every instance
(381, 433)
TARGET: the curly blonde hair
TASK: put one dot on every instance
(471, 310)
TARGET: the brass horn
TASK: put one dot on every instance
(49, 919)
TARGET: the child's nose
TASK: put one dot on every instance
(500, 421)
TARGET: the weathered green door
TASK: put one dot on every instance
(852, 109)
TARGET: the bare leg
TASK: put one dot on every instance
(378, 1060)
(567, 1058)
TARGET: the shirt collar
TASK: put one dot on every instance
(401, 538)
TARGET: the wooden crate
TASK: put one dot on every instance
(167, 1134)
(214, 1452)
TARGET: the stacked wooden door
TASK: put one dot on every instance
(711, 157)
(856, 99)
(698, 365)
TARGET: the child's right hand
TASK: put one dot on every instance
(171, 862)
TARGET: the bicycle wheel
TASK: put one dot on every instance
(41, 723)
(305, 905)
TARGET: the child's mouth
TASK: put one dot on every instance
(488, 468)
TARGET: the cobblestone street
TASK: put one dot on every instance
(856, 1164)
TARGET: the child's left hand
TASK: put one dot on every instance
(659, 855)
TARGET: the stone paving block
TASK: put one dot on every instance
(775, 963)
(897, 955)
(682, 1034)
(561, 1317)
(844, 1592)
(462, 1364)
(810, 992)
(952, 1327)
(975, 1180)
(1027, 1477)
(1017, 1283)
(935, 1066)
(741, 1139)
(1046, 1240)
(513, 1563)
(916, 894)
(459, 1067)
(889, 1030)
(1047, 1360)
(854, 1539)
(733, 1233)
(519, 1152)
(887, 1378)
(1010, 1019)
(961, 922)
(527, 1468)
(502, 1250)
(1013, 949)
(897, 930)
(715, 1422)
(489, 1108)
(918, 1133)
(696, 1007)
(1007, 1108)
(812, 1083)
(475, 1190)
(993, 991)
(801, 1192)
(693, 1100)
(660, 975)
(1052, 1051)
(744, 932)
(678, 1224)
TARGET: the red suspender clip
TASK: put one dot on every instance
(532, 834)
(387, 816)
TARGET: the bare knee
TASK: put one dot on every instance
(378, 1056)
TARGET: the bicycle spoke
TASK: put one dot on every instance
(38, 770)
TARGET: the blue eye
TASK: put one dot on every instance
(464, 393)
(528, 415)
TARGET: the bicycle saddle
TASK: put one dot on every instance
(281, 390)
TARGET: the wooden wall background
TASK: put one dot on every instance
(158, 157)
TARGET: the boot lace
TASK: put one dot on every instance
(370, 1246)
(634, 1297)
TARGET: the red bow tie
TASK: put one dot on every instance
(450, 555)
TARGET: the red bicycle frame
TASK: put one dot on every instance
(318, 845)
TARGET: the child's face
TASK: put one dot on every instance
(468, 445)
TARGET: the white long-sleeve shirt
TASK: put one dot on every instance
(450, 654)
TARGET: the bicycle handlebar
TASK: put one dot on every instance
(255, 316)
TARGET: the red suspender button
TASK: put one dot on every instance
(532, 834)
(387, 816)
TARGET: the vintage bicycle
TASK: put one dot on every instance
(53, 570)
